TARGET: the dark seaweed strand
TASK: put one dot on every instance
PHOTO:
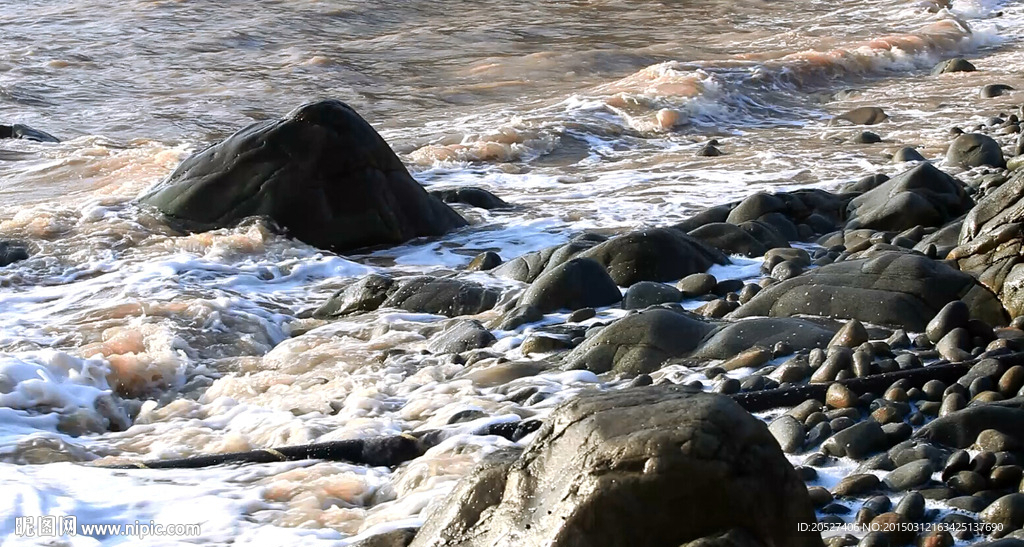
(391, 451)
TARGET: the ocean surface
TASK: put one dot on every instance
(122, 340)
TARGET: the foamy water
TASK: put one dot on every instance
(123, 340)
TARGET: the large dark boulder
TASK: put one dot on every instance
(639, 343)
(991, 243)
(974, 150)
(643, 467)
(922, 196)
(420, 294)
(321, 173)
(18, 131)
(891, 288)
(660, 254)
(578, 283)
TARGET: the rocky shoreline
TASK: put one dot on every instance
(909, 285)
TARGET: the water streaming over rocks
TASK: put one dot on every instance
(124, 338)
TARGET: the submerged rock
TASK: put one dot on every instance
(641, 467)
(420, 294)
(18, 131)
(12, 251)
(460, 336)
(953, 65)
(865, 115)
(890, 288)
(321, 173)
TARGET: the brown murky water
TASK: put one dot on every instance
(586, 115)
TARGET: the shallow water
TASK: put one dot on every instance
(121, 339)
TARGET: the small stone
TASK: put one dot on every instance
(967, 482)
(867, 137)
(911, 507)
(856, 485)
(933, 390)
(857, 441)
(851, 335)
(951, 403)
(996, 441)
(994, 90)
(1012, 381)
(820, 497)
(907, 154)
(840, 396)
(788, 432)
(697, 284)
(911, 475)
(581, 314)
(484, 261)
(958, 64)
(753, 357)
(953, 315)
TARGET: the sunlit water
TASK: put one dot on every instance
(121, 339)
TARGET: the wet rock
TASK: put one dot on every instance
(993, 90)
(460, 336)
(952, 316)
(996, 441)
(321, 173)
(763, 332)
(648, 293)
(865, 115)
(856, 485)
(857, 441)
(708, 151)
(697, 284)
(789, 433)
(712, 214)
(840, 396)
(477, 197)
(577, 283)
(639, 343)
(907, 154)
(19, 131)
(484, 261)
(955, 345)
(974, 150)
(394, 538)
(420, 294)
(530, 266)
(958, 64)
(909, 476)
(959, 429)
(569, 486)
(12, 251)
(921, 196)
(729, 238)
(890, 288)
(851, 335)
(866, 137)
(1006, 513)
(751, 358)
(661, 254)
(538, 343)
